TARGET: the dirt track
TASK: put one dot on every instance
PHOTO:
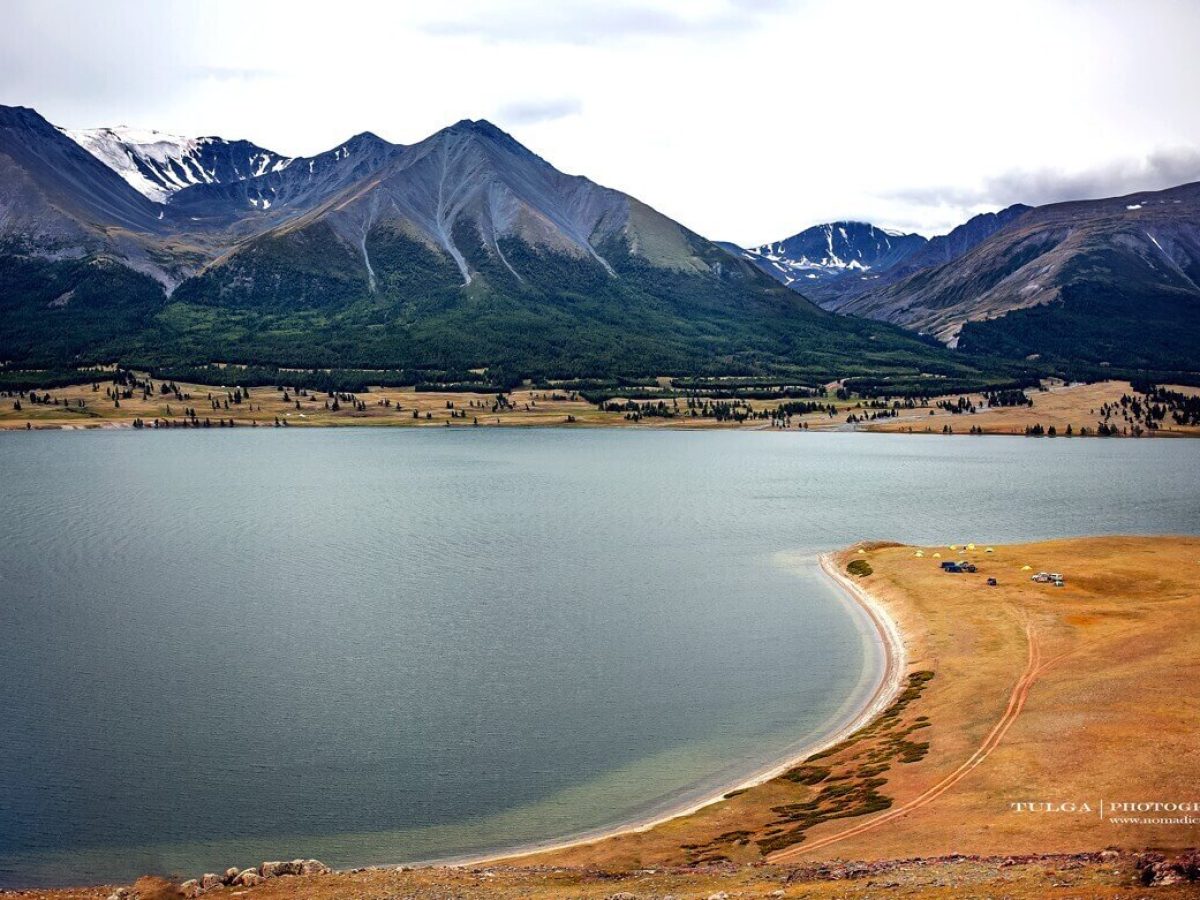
(1016, 701)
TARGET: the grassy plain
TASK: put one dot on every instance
(266, 406)
(1075, 405)
(79, 406)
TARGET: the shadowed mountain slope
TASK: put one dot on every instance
(1121, 256)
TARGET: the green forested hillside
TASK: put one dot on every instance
(55, 313)
(305, 299)
(1116, 311)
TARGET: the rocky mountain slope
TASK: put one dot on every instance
(948, 247)
(472, 184)
(469, 250)
(54, 192)
(1089, 284)
(251, 205)
(1112, 282)
(1108, 261)
(862, 296)
(836, 263)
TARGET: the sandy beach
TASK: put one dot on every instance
(891, 647)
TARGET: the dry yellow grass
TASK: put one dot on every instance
(80, 406)
(266, 405)
(1076, 405)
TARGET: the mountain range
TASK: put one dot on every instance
(1113, 282)
(464, 251)
(467, 251)
(820, 260)
(836, 262)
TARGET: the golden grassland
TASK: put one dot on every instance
(266, 406)
(1075, 405)
(81, 406)
(1017, 693)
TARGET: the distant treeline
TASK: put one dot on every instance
(904, 386)
(598, 393)
(31, 379)
(1133, 376)
(935, 387)
(1159, 401)
(335, 380)
(748, 389)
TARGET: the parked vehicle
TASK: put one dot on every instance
(1053, 578)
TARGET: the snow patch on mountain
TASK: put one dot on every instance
(834, 249)
(157, 164)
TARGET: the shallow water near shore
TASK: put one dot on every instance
(372, 646)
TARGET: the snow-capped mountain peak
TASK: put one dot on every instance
(157, 164)
(829, 252)
(839, 245)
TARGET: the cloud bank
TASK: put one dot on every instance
(1036, 187)
(534, 111)
(600, 22)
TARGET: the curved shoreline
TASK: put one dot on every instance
(891, 644)
(882, 630)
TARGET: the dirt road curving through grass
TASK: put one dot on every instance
(1016, 701)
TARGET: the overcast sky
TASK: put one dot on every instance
(747, 120)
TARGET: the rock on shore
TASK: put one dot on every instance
(235, 877)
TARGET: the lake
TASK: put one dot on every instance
(387, 645)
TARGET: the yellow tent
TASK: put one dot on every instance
(989, 550)
(1026, 568)
(862, 551)
(920, 553)
(970, 546)
(953, 547)
(937, 556)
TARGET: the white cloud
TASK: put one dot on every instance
(745, 120)
(528, 112)
(1155, 171)
(600, 22)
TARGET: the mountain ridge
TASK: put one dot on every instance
(822, 257)
(465, 250)
(157, 164)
